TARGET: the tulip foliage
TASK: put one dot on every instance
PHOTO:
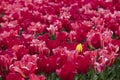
(59, 39)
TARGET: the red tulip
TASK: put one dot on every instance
(14, 76)
(67, 71)
(35, 77)
(83, 63)
(25, 66)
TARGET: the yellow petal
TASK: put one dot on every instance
(79, 47)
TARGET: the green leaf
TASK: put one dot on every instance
(0, 78)
(52, 37)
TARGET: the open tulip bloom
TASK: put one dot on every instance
(59, 39)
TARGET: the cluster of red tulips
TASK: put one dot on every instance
(66, 37)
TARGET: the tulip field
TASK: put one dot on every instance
(59, 39)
